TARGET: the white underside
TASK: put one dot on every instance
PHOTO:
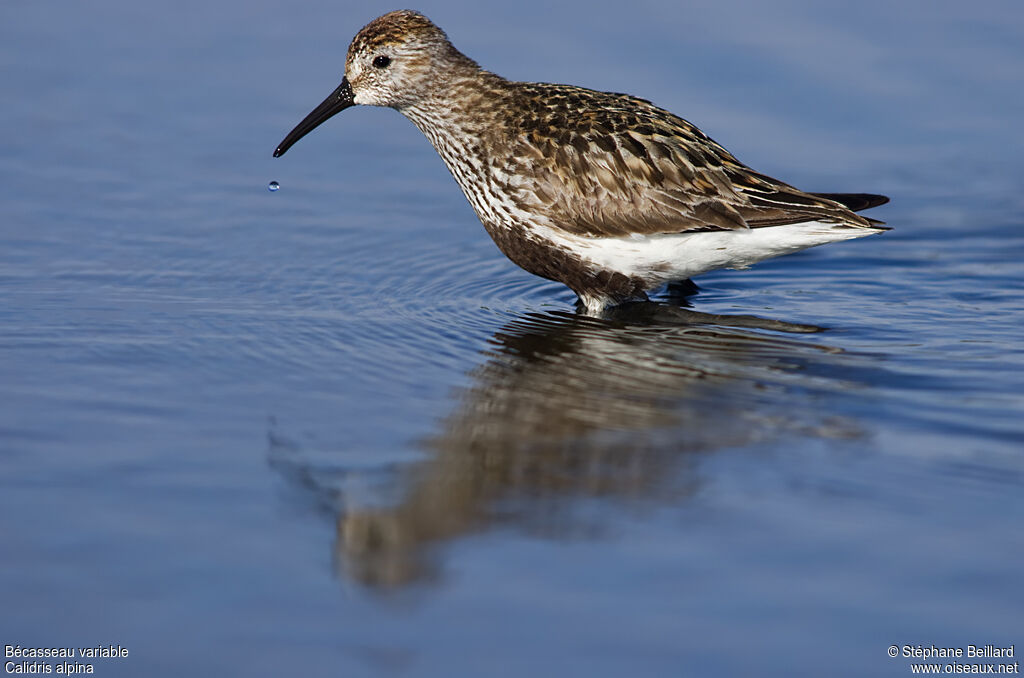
(659, 259)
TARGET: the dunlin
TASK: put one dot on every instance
(604, 192)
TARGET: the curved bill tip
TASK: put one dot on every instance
(340, 99)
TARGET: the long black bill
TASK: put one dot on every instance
(338, 101)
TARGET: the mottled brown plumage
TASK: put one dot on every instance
(639, 168)
(605, 192)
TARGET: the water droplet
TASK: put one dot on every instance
(273, 186)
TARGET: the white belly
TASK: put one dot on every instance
(663, 258)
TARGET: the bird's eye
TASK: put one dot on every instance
(381, 61)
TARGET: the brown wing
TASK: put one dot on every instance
(604, 164)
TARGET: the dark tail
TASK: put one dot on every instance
(855, 201)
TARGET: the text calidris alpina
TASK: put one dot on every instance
(604, 192)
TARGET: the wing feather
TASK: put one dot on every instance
(605, 164)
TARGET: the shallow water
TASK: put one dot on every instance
(330, 430)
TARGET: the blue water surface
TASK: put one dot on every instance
(330, 430)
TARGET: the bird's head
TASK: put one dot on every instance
(397, 60)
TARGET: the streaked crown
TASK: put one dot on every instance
(396, 59)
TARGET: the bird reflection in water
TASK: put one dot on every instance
(566, 409)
